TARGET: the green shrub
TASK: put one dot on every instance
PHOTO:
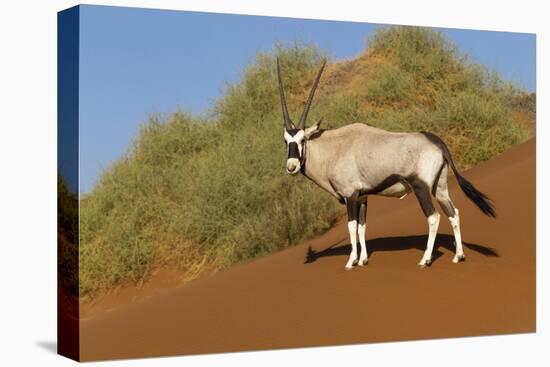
(67, 238)
(389, 84)
(420, 51)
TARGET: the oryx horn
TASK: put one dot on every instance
(288, 123)
(302, 123)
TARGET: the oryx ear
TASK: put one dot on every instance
(312, 129)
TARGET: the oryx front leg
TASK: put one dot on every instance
(361, 230)
(352, 207)
(352, 227)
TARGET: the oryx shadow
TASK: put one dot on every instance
(382, 244)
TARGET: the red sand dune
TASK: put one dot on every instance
(303, 297)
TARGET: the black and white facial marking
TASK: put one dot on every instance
(294, 139)
(296, 135)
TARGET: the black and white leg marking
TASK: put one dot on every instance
(361, 230)
(455, 223)
(422, 192)
(442, 196)
(352, 206)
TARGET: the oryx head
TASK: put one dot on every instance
(295, 136)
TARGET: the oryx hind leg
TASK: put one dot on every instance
(442, 196)
(422, 191)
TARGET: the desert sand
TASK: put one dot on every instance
(303, 297)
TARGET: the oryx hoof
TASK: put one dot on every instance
(363, 262)
(424, 263)
(348, 268)
(459, 258)
(351, 263)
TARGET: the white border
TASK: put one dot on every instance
(28, 181)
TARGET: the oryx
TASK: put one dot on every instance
(357, 160)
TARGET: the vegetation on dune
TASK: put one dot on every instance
(205, 194)
(67, 238)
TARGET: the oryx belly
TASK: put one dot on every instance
(398, 190)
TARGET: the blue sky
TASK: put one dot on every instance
(138, 62)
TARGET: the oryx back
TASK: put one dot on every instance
(364, 159)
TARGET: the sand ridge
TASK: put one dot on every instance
(302, 296)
